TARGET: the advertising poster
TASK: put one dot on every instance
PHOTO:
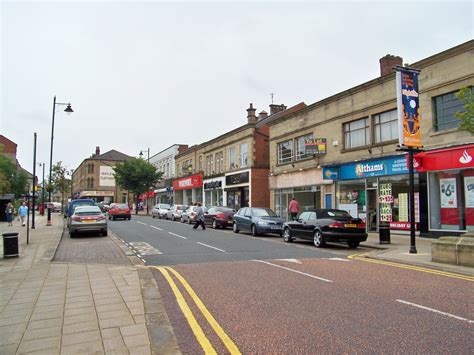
(385, 202)
(448, 193)
(408, 106)
(106, 177)
(403, 207)
(469, 191)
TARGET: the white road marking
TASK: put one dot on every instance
(210, 246)
(296, 271)
(291, 261)
(141, 223)
(436, 311)
(160, 229)
(339, 259)
(177, 235)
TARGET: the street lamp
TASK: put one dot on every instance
(42, 190)
(68, 110)
(148, 160)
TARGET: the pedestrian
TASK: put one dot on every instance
(9, 211)
(294, 208)
(199, 217)
(23, 212)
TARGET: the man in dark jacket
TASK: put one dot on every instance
(199, 218)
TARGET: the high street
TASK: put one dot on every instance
(270, 297)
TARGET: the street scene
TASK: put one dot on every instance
(215, 178)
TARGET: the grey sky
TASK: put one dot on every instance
(151, 74)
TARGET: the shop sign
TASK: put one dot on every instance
(150, 194)
(191, 182)
(330, 173)
(402, 225)
(386, 200)
(408, 107)
(106, 176)
(448, 193)
(315, 146)
(212, 185)
(445, 159)
(236, 179)
(382, 167)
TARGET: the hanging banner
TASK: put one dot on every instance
(408, 106)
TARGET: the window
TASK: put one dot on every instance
(209, 165)
(200, 163)
(445, 106)
(188, 166)
(232, 161)
(285, 151)
(386, 126)
(356, 133)
(219, 162)
(300, 147)
(243, 155)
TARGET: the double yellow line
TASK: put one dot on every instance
(363, 257)
(193, 323)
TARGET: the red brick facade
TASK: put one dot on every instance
(260, 196)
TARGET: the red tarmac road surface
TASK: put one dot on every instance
(266, 309)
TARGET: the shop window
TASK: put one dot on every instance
(386, 126)
(232, 158)
(243, 155)
(445, 106)
(301, 148)
(356, 133)
(285, 151)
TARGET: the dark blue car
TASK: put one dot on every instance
(257, 220)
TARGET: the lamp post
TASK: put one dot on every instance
(67, 110)
(42, 190)
(34, 184)
(148, 160)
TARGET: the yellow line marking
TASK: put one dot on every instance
(195, 327)
(230, 345)
(363, 257)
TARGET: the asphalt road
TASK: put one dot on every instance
(270, 297)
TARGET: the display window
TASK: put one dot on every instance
(214, 197)
(308, 197)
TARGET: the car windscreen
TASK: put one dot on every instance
(83, 211)
(122, 206)
(164, 206)
(224, 209)
(82, 203)
(333, 214)
(263, 212)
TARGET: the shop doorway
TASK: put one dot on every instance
(371, 210)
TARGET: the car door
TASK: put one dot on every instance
(311, 224)
(247, 220)
(238, 218)
(298, 226)
(209, 215)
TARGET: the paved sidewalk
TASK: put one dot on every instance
(398, 251)
(69, 308)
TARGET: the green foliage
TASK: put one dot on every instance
(136, 175)
(466, 95)
(12, 181)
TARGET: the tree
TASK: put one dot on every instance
(12, 180)
(60, 180)
(466, 95)
(136, 176)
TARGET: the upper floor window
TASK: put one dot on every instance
(232, 158)
(445, 106)
(356, 133)
(243, 155)
(386, 126)
(219, 162)
(200, 163)
(209, 165)
(301, 148)
(285, 151)
(188, 166)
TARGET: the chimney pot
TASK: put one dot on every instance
(262, 115)
(251, 114)
(276, 108)
(388, 62)
(97, 150)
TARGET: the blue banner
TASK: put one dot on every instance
(388, 166)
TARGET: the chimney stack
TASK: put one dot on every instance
(262, 115)
(276, 108)
(388, 62)
(97, 150)
(251, 114)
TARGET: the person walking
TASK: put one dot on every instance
(199, 217)
(9, 211)
(294, 208)
(23, 212)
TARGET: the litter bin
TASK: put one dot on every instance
(10, 245)
(384, 233)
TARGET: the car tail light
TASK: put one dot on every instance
(220, 215)
(361, 225)
(77, 219)
(336, 225)
(100, 218)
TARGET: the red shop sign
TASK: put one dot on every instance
(190, 182)
(444, 159)
(151, 194)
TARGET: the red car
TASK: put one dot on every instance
(219, 217)
(119, 210)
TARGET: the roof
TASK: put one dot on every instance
(283, 113)
(111, 155)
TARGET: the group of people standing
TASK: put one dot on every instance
(22, 213)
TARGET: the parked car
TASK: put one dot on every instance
(175, 212)
(189, 216)
(326, 225)
(76, 203)
(87, 219)
(257, 220)
(119, 210)
(219, 217)
(103, 206)
(55, 206)
(160, 210)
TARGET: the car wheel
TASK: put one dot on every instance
(287, 235)
(234, 228)
(129, 218)
(152, 215)
(110, 218)
(189, 221)
(72, 234)
(214, 224)
(254, 230)
(104, 233)
(318, 239)
(353, 244)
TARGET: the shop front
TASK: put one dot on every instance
(98, 196)
(376, 191)
(214, 191)
(450, 183)
(164, 195)
(188, 190)
(237, 189)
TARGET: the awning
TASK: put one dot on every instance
(460, 157)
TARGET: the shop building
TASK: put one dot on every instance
(188, 190)
(94, 178)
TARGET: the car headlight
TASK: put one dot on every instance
(262, 223)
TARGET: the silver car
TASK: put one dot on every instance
(175, 212)
(160, 210)
(87, 219)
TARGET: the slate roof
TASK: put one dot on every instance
(112, 155)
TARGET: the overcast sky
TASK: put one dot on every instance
(151, 74)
